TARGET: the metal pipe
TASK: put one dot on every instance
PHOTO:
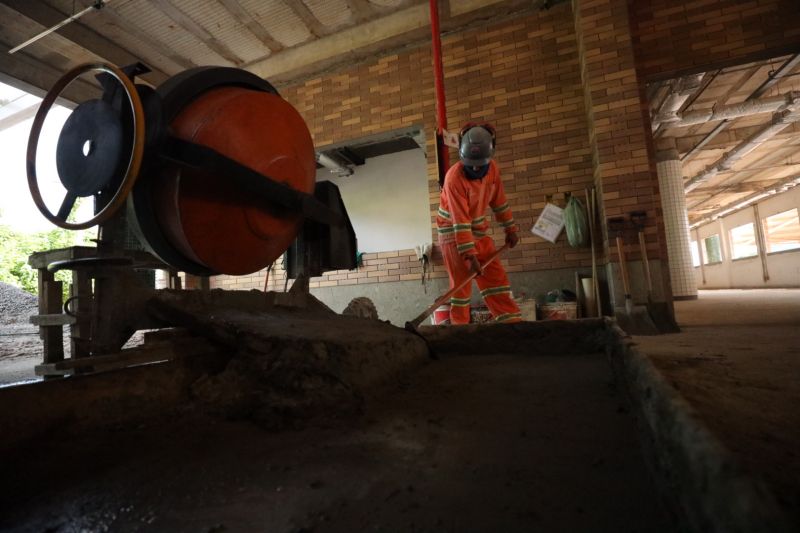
(728, 112)
(333, 165)
(762, 243)
(771, 80)
(779, 121)
(773, 77)
(442, 152)
(682, 90)
(438, 70)
(781, 186)
(96, 5)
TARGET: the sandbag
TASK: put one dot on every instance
(576, 223)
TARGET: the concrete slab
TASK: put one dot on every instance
(737, 363)
(480, 443)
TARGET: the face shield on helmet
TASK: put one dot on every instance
(477, 147)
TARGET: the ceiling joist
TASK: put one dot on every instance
(187, 23)
(244, 18)
(313, 24)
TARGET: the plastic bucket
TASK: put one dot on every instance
(528, 310)
(441, 316)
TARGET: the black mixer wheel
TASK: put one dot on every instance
(133, 164)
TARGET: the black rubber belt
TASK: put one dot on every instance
(281, 198)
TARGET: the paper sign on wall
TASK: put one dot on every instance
(550, 223)
(450, 138)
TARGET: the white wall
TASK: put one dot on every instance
(783, 267)
(387, 200)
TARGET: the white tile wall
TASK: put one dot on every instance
(676, 226)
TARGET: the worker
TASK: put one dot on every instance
(470, 187)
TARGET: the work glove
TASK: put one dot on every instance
(512, 239)
(473, 264)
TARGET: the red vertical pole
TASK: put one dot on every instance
(442, 153)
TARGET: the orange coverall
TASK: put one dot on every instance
(462, 225)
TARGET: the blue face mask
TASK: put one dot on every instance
(473, 174)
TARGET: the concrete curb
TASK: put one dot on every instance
(692, 467)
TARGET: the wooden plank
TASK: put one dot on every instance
(243, 17)
(56, 319)
(81, 35)
(187, 23)
(183, 347)
(82, 306)
(122, 23)
(124, 358)
(25, 72)
(52, 336)
(49, 370)
(42, 259)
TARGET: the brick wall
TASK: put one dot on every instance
(522, 75)
(618, 133)
(674, 37)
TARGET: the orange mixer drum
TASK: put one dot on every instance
(204, 215)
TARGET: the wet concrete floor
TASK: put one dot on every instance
(487, 443)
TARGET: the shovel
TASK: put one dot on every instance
(659, 312)
(414, 324)
(633, 319)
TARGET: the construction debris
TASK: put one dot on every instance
(16, 305)
(361, 307)
(292, 358)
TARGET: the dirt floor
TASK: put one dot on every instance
(737, 362)
(481, 443)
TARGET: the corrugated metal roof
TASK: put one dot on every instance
(220, 23)
(151, 21)
(331, 13)
(279, 20)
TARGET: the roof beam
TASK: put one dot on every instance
(187, 23)
(27, 73)
(741, 203)
(333, 47)
(362, 10)
(244, 18)
(18, 116)
(742, 175)
(730, 137)
(312, 23)
(744, 186)
(81, 35)
(159, 45)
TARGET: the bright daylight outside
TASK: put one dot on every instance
(23, 229)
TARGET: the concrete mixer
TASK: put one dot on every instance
(212, 172)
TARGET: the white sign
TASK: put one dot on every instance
(550, 223)
(450, 138)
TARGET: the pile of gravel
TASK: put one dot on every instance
(16, 305)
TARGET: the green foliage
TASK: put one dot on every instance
(15, 247)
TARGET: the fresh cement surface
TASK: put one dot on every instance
(479, 443)
(737, 361)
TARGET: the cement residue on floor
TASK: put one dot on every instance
(737, 361)
(480, 443)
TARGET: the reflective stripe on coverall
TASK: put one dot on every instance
(462, 225)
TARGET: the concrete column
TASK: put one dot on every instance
(676, 225)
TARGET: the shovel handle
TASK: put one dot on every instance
(645, 263)
(446, 296)
(623, 267)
